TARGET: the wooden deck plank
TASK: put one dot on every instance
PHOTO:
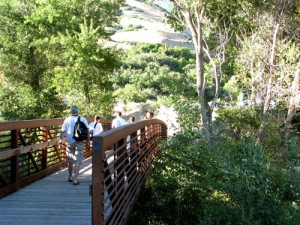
(50, 201)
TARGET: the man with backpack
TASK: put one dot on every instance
(74, 132)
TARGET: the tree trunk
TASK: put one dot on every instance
(253, 77)
(193, 19)
(200, 81)
(269, 94)
(34, 78)
(294, 104)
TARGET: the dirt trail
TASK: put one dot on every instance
(149, 21)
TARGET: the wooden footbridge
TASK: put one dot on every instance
(34, 189)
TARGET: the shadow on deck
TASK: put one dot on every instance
(51, 200)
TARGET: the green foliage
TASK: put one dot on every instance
(244, 122)
(62, 16)
(52, 48)
(240, 121)
(164, 100)
(258, 189)
(233, 183)
(188, 114)
(20, 62)
(273, 134)
(132, 27)
(85, 68)
(132, 93)
(156, 67)
(22, 103)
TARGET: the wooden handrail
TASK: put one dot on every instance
(21, 124)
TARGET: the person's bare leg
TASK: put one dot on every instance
(70, 169)
(76, 173)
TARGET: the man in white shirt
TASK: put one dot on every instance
(95, 127)
(118, 121)
(74, 150)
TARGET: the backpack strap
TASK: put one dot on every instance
(92, 131)
(78, 119)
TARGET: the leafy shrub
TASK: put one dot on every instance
(273, 130)
(188, 113)
(132, 27)
(257, 188)
(159, 67)
(240, 121)
(132, 93)
(180, 52)
(234, 183)
(23, 103)
(163, 100)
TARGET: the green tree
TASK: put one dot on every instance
(25, 92)
(202, 19)
(84, 72)
(267, 59)
(215, 24)
(40, 39)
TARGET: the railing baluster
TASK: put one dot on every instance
(45, 134)
(14, 159)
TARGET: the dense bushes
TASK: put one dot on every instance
(234, 183)
(240, 121)
(245, 122)
(156, 67)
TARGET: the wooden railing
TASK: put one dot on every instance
(29, 151)
(122, 159)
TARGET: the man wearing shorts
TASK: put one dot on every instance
(74, 150)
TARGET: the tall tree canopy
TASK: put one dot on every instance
(51, 51)
(217, 25)
(205, 20)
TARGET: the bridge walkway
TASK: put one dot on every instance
(51, 201)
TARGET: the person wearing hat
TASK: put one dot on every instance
(74, 150)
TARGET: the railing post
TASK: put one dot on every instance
(14, 159)
(120, 165)
(143, 143)
(133, 154)
(97, 183)
(45, 132)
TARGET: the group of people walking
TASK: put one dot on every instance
(75, 149)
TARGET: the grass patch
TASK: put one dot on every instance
(132, 27)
